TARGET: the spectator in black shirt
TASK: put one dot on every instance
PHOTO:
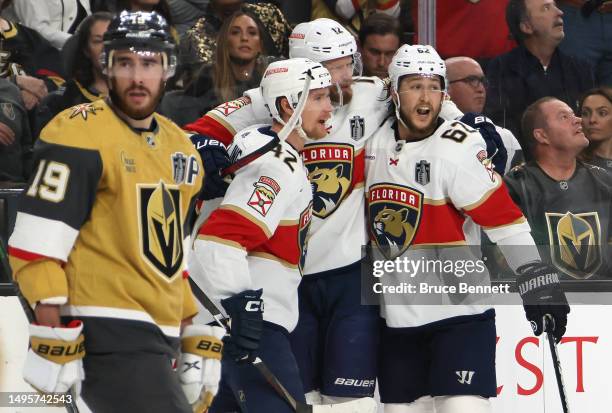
(86, 81)
(535, 68)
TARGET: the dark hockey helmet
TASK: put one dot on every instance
(140, 32)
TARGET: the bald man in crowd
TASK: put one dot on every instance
(467, 88)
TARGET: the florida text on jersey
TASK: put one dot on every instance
(102, 224)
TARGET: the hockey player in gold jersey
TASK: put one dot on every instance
(98, 242)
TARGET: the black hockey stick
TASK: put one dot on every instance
(258, 363)
(71, 406)
(363, 405)
(556, 362)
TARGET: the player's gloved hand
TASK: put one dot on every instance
(539, 287)
(54, 363)
(199, 366)
(495, 145)
(245, 310)
(214, 159)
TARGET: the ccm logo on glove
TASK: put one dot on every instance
(254, 306)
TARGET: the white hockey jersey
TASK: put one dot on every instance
(419, 194)
(257, 237)
(335, 167)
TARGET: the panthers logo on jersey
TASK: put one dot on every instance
(394, 215)
(575, 243)
(330, 171)
(161, 229)
(305, 218)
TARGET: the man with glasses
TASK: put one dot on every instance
(467, 88)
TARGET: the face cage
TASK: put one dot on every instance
(168, 64)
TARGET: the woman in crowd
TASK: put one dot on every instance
(239, 61)
(85, 81)
(597, 126)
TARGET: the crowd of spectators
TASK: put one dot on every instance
(520, 51)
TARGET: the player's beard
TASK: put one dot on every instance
(417, 132)
(136, 114)
(347, 94)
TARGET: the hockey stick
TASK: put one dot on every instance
(362, 405)
(556, 362)
(71, 406)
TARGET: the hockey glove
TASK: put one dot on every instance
(495, 146)
(54, 363)
(200, 363)
(214, 159)
(539, 287)
(246, 325)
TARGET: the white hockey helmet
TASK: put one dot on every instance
(416, 60)
(287, 78)
(321, 40)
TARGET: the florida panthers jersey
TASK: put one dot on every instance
(102, 223)
(335, 167)
(257, 237)
(419, 194)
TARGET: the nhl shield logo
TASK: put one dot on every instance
(357, 124)
(179, 167)
(305, 218)
(575, 243)
(422, 172)
(394, 215)
(330, 172)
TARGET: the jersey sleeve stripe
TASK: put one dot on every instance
(273, 257)
(25, 255)
(219, 240)
(435, 217)
(233, 225)
(211, 127)
(58, 240)
(497, 210)
(485, 197)
(246, 215)
(284, 245)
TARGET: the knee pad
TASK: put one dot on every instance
(423, 404)
(461, 404)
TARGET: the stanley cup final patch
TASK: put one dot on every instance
(357, 125)
(262, 198)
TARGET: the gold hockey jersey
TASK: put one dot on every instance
(102, 224)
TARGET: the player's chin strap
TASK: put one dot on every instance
(362, 405)
(295, 121)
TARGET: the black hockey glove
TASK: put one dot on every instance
(539, 287)
(214, 159)
(245, 310)
(495, 144)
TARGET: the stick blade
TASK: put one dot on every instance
(363, 405)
